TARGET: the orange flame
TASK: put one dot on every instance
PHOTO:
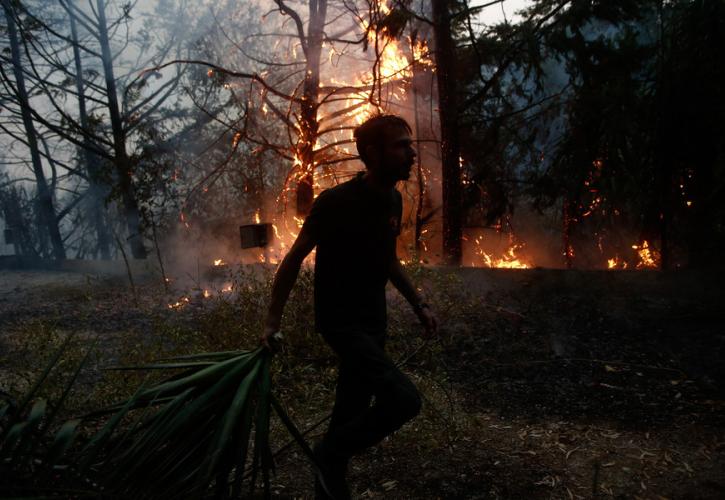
(349, 101)
(393, 66)
(509, 259)
(616, 263)
(649, 258)
(183, 301)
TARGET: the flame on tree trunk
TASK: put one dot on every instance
(419, 165)
(309, 125)
(664, 172)
(566, 218)
(450, 149)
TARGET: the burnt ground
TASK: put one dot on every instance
(543, 383)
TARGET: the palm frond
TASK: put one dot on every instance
(28, 450)
(193, 437)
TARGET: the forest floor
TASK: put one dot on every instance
(542, 384)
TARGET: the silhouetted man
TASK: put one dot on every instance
(354, 227)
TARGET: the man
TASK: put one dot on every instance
(354, 227)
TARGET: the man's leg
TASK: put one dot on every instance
(396, 399)
(352, 398)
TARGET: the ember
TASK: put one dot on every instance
(182, 302)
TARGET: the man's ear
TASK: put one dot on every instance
(373, 154)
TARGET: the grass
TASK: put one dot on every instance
(502, 418)
(158, 431)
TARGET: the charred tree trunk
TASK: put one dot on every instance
(662, 161)
(97, 190)
(450, 148)
(45, 198)
(124, 168)
(419, 162)
(566, 221)
(309, 125)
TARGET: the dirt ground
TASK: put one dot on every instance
(557, 384)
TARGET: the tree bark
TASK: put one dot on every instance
(97, 190)
(309, 126)
(450, 148)
(662, 162)
(566, 223)
(124, 168)
(419, 162)
(45, 197)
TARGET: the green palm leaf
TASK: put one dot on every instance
(194, 432)
(63, 440)
(28, 452)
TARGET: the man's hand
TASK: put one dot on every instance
(428, 320)
(400, 280)
(271, 336)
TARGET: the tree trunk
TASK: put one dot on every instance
(97, 190)
(124, 168)
(309, 125)
(419, 162)
(662, 162)
(45, 198)
(566, 222)
(450, 149)
(12, 211)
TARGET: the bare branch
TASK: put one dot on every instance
(236, 74)
(285, 9)
(510, 57)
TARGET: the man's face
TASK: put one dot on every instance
(398, 155)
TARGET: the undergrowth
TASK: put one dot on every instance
(303, 372)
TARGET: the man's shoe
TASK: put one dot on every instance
(330, 481)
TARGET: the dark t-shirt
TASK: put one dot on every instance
(355, 228)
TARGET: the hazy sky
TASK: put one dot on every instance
(497, 13)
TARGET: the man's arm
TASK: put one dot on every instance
(284, 280)
(400, 280)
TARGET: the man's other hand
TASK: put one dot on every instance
(428, 320)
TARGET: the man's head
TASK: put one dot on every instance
(385, 146)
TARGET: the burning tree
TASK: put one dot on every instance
(576, 118)
(542, 115)
(329, 69)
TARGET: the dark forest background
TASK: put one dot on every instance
(604, 117)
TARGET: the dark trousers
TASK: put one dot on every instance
(365, 372)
